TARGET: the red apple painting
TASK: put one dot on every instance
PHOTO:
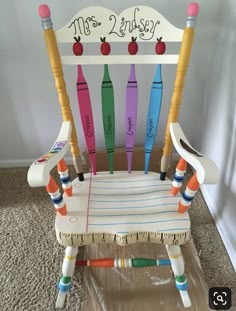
(160, 47)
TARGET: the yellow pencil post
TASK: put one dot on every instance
(56, 66)
(181, 71)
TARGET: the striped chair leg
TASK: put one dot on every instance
(56, 197)
(177, 264)
(178, 176)
(189, 193)
(68, 268)
(64, 177)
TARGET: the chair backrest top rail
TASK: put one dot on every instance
(95, 22)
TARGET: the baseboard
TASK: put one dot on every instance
(221, 227)
(24, 163)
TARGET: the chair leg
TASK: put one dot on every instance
(177, 264)
(68, 268)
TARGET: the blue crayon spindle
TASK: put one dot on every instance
(153, 116)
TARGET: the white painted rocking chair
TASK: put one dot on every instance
(120, 207)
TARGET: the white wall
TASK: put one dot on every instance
(29, 112)
(219, 127)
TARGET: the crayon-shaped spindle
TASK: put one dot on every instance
(65, 177)
(108, 116)
(56, 66)
(154, 110)
(123, 262)
(86, 116)
(189, 193)
(131, 115)
(184, 57)
(178, 176)
(56, 197)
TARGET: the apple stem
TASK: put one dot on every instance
(159, 40)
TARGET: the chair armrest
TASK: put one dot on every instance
(39, 171)
(207, 171)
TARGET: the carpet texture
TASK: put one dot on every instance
(30, 256)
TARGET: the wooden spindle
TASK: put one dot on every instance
(178, 176)
(56, 197)
(108, 116)
(123, 262)
(56, 66)
(189, 194)
(65, 177)
(182, 67)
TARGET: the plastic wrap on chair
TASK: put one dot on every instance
(140, 289)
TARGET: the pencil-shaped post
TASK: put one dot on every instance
(56, 66)
(182, 66)
(65, 177)
(108, 115)
(189, 194)
(154, 110)
(131, 115)
(56, 197)
(178, 176)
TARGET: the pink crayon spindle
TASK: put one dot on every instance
(65, 177)
(131, 115)
(86, 117)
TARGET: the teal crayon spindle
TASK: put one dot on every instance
(154, 110)
(108, 115)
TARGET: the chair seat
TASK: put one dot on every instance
(122, 208)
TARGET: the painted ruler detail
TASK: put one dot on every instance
(73, 239)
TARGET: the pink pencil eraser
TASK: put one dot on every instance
(193, 9)
(44, 11)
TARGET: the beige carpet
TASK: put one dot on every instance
(30, 257)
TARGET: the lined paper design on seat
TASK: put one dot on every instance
(136, 205)
(117, 206)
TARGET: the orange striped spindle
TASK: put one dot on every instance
(178, 176)
(64, 177)
(123, 262)
(189, 193)
(56, 197)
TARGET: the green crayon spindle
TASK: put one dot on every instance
(108, 115)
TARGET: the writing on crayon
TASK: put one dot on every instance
(151, 126)
(146, 27)
(109, 125)
(83, 26)
(55, 149)
(88, 129)
(130, 126)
